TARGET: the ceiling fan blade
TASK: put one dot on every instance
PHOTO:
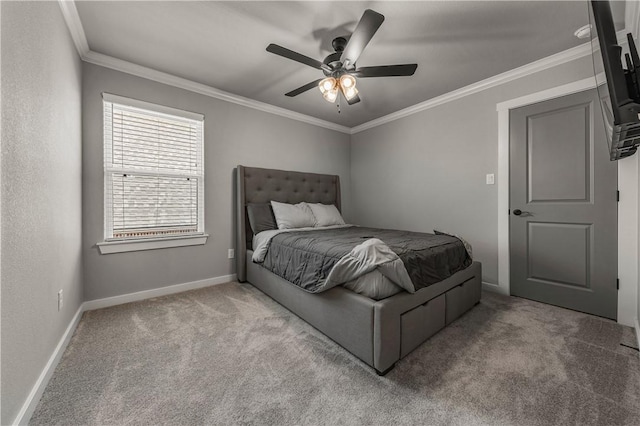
(354, 100)
(295, 56)
(386, 71)
(366, 28)
(304, 88)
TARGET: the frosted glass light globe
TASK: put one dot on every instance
(347, 81)
(327, 84)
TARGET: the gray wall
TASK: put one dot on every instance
(41, 192)
(427, 171)
(233, 135)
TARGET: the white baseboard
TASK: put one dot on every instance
(29, 406)
(495, 288)
(156, 292)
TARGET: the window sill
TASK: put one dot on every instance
(109, 247)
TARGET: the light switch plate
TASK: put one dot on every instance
(491, 179)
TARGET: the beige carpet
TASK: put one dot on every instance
(230, 355)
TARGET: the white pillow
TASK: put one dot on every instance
(326, 214)
(290, 216)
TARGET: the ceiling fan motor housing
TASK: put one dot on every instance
(333, 60)
(339, 43)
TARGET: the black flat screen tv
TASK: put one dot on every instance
(618, 87)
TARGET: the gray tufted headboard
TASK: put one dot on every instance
(256, 185)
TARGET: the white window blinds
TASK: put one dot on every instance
(154, 176)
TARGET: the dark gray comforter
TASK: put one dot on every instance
(305, 258)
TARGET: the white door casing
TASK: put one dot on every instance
(627, 208)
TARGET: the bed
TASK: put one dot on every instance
(379, 332)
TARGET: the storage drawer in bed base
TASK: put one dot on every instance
(420, 323)
(460, 299)
(423, 321)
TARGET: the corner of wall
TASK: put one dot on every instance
(44, 151)
(632, 24)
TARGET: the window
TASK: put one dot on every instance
(153, 176)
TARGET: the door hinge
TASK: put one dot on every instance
(617, 283)
(618, 195)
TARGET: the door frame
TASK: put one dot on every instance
(627, 207)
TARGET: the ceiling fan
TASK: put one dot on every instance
(339, 68)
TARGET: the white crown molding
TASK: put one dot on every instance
(182, 83)
(516, 73)
(533, 67)
(71, 17)
(77, 33)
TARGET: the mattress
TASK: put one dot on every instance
(307, 257)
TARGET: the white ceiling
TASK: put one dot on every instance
(222, 44)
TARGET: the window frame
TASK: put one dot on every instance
(126, 244)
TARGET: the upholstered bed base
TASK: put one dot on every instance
(378, 332)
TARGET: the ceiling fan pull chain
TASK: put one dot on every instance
(338, 106)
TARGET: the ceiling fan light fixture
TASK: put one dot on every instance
(331, 95)
(349, 92)
(347, 81)
(327, 85)
(339, 67)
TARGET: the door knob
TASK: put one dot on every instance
(517, 212)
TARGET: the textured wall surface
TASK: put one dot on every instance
(41, 192)
(427, 171)
(233, 135)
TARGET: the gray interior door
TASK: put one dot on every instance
(563, 206)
